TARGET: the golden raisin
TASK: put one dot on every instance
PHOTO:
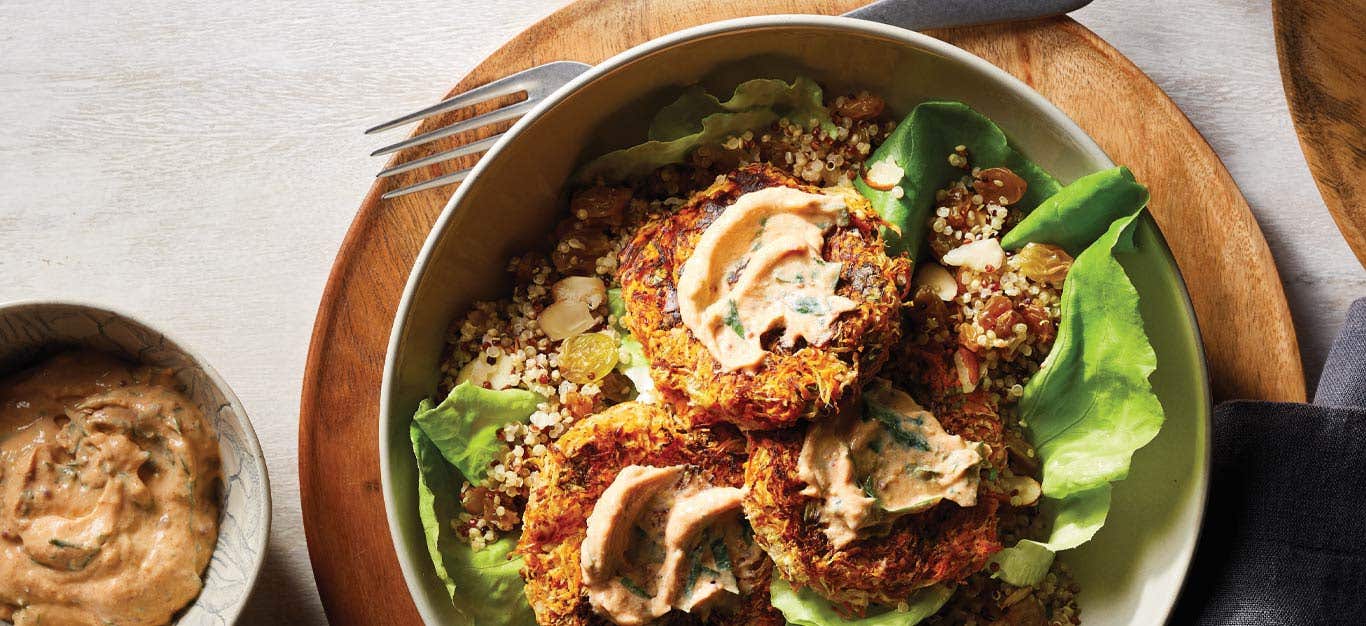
(600, 205)
(864, 106)
(1043, 263)
(475, 500)
(1036, 318)
(999, 315)
(997, 183)
(579, 249)
(587, 358)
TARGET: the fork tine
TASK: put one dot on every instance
(467, 149)
(448, 179)
(501, 87)
(492, 117)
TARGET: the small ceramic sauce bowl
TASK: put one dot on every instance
(31, 330)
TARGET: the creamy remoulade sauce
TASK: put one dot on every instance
(661, 539)
(759, 267)
(893, 459)
(108, 505)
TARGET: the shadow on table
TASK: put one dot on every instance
(281, 596)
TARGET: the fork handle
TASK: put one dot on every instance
(926, 14)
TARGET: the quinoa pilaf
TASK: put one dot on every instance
(977, 323)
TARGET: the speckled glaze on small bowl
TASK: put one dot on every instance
(29, 330)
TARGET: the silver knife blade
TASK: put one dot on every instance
(926, 14)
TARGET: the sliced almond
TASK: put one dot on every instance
(1023, 490)
(969, 370)
(982, 256)
(586, 289)
(938, 280)
(884, 175)
(481, 373)
(566, 318)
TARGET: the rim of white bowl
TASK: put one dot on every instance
(412, 574)
(253, 444)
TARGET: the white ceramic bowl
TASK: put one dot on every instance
(29, 330)
(1131, 572)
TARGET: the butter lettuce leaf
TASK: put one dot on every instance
(697, 118)
(464, 427)
(800, 102)
(631, 356)
(1075, 521)
(631, 362)
(921, 146)
(1090, 406)
(807, 608)
(1078, 214)
(485, 586)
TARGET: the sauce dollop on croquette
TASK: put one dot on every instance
(757, 268)
(660, 540)
(891, 460)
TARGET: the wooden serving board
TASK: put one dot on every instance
(1322, 48)
(1249, 340)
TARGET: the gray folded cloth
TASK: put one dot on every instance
(1284, 537)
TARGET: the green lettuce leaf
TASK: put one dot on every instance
(631, 358)
(1105, 196)
(921, 146)
(485, 586)
(633, 364)
(1075, 521)
(464, 427)
(616, 305)
(807, 608)
(1090, 406)
(698, 118)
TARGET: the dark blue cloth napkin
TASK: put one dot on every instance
(1284, 537)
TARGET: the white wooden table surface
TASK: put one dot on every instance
(198, 163)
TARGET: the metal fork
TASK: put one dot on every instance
(540, 81)
(537, 83)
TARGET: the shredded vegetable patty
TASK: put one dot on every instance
(584, 463)
(790, 383)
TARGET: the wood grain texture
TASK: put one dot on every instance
(1212, 233)
(1322, 50)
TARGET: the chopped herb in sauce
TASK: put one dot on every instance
(695, 570)
(632, 587)
(720, 554)
(732, 319)
(759, 235)
(867, 486)
(807, 305)
(892, 421)
(920, 472)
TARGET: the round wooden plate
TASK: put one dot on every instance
(1206, 220)
(1322, 48)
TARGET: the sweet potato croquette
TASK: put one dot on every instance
(581, 466)
(791, 383)
(946, 543)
